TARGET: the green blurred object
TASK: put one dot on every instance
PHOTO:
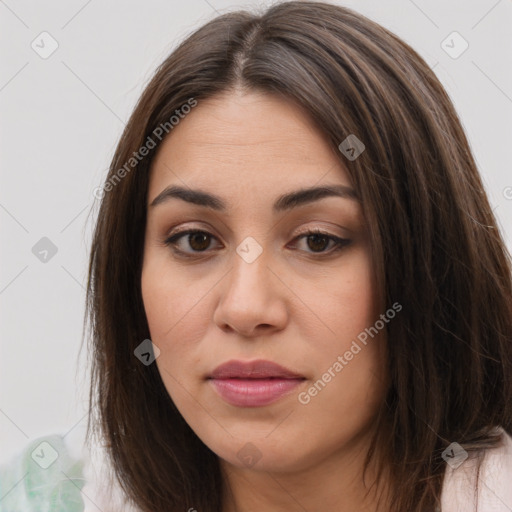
(43, 478)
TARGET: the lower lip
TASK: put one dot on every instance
(254, 392)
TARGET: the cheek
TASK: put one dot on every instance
(172, 302)
(349, 352)
(176, 316)
(347, 305)
(178, 306)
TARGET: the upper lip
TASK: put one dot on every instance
(259, 369)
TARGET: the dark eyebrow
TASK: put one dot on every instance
(283, 203)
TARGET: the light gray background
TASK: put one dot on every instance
(62, 117)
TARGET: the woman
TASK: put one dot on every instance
(299, 295)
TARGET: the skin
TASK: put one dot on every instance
(298, 304)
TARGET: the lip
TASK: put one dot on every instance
(253, 383)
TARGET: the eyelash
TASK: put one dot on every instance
(340, 243)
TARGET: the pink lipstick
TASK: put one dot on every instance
(253, 383)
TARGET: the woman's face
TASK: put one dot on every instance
(253, 287)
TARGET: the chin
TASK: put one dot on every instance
(258, 452)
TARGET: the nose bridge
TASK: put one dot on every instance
(250, 296)
(250, 266)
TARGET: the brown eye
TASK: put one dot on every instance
(199, 241)
(317, 242)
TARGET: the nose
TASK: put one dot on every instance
(253, 299)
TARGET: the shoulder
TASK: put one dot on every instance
(490, 490)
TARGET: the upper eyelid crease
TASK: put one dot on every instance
(283, 203)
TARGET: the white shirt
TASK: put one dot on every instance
(494, 487)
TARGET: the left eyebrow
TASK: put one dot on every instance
(309, 195)
(284, 202)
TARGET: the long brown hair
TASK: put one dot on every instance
(436, 250)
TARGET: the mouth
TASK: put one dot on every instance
(253, 383)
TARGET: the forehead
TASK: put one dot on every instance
(250, 141)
